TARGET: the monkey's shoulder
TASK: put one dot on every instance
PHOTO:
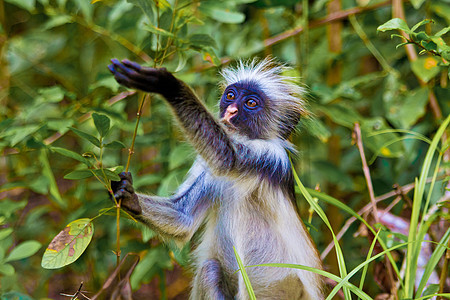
(259, 162)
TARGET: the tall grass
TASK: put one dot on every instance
(419, 226)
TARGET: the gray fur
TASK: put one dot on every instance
(240, 188)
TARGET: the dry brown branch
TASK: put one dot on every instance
(366, 170)
(340, 15)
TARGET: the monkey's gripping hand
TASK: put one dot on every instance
(124, 192)
(135, 76)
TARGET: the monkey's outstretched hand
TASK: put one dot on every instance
(135, 76)
(124, 192)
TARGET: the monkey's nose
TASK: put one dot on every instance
(230, 112)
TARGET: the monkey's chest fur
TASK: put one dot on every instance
(260, 222)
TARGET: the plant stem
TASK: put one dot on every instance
(118, 234)
(143, 97)
(357, 131)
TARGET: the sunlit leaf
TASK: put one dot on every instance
(393, 24)
(79, 174)
(423, 22)
(6, 269)
(425, 68)
(5, 233)
(23, 250)
(69, 244)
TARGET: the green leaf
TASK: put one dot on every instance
(393, 24)
(115, 145)
(102, 123)
(417, 3)
(426, 68)
(7, 270)
(443, 31)
(158, 31)
(83, 174)
(25, 4)
(404, 110)
(4, 233)
(431, 289)
(69, 244)
(180, 156)
(56, 21)
(109, 174)
(317, 128)
(432, 263)
(219, 13)
(423, 22)
(71, 154)
(201, 41)
(54, 94)
(146, 6)
(89, 137)
(48, 173)
(79, 174)
(23, 250)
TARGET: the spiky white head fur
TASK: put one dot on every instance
(284, 92)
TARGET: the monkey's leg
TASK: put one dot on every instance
(208, 283)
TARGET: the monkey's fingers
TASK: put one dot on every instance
(132, 79)
(143, 70)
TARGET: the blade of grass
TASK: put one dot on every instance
(412, 253)
(333, 277)
(360, 266)
(339, 204)
(247, 282)
(322, 215)
(433, 261)
(369, 254)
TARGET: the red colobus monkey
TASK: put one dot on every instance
(240, 186)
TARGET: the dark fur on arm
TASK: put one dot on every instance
(176, 217)
(202, 129)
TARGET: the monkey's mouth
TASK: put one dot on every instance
(228, 125)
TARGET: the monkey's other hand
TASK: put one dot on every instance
(124, 192)
(135, 76)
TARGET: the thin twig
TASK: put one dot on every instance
(138, 118)
(366, 170)
(340, 15)
(399, 191)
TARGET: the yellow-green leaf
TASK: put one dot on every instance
(69, 244)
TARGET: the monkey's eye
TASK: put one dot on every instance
(251, 103)
(230, 96)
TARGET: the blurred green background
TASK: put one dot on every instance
(53, 76)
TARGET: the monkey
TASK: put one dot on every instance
(240, 189)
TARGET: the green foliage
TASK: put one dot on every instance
(69, 244)
(425, 68)
(65, 126)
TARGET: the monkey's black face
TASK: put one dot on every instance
(243, 107)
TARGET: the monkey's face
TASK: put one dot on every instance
(244, 108)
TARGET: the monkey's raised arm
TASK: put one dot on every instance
(202, 129)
